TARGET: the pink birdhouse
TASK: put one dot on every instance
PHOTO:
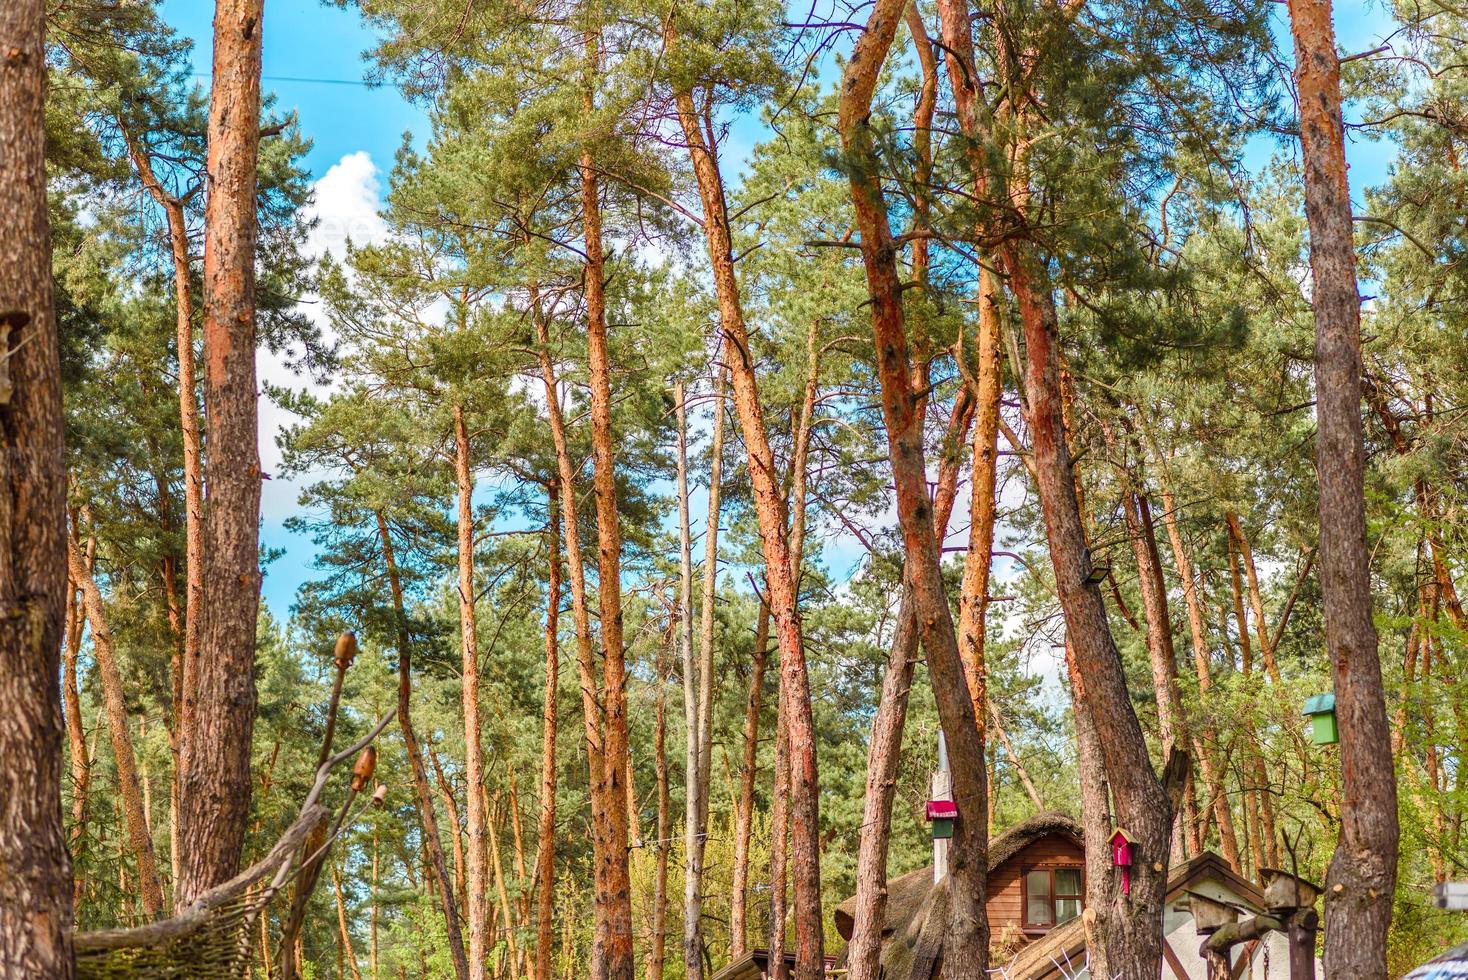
(942, 810)
(1121, 857)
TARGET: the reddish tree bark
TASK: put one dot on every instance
(966, 938)
(215, 792)
(36, 887)
(475, 803)
(580, 608)
(798, 725)
(81, 763)
(1362, 877)
(612, 954)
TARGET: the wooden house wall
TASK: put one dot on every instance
(1006, 894)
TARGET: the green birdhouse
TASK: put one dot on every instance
(1321, 711)
(942, 814)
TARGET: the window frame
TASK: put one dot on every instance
(1038, 928)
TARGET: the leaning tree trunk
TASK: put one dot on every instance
(216, 788)
(798, 724)
(966, 938)
(140, 838)
(1360, 885)
(884, 751)
(35, 888)
(423, 793)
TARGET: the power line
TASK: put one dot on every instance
(292, 78)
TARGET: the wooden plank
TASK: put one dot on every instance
(1179, 971)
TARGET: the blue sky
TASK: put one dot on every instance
(314, 64)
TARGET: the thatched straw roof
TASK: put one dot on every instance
(908, 893)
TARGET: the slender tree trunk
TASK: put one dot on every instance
(188, 411)
(744, 808)
(36, 886)
(1161, 653)
(372, 949)
(423, 794)
(1205, 741)
(657, 954)
(581, 613)
(884, 750)
(696, 787)
(477, 807)
(456, 834)
(507, 911)
(698, 827)
(973, 603)
(345, 952)
(1129, 927)
(997, 724)
(613, 958)
(966, 939)
(129, 786)
(799, 724)
(81, 763)
(216, 786)
(1362, 877)
(795, 520)
(545, 861)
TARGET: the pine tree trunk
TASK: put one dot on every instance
(884, 750)
(36, 886)
(345, 953)
(695, 786)
(1130, 927)
(456, 834)
(973, 602)
(188, 411)
(81, 763)
(423, 794)
(475, 803)
(613, 958)
(216, 787)
(693, 887)
(545, 860)
(1360, 884)
(656, 958)
(748, 769)
(140, 838)
(966, 938)
(1205, 741)
(799, 725)
(1161, 653)
(581, 613)
(507, 911)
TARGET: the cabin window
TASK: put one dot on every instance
(1052, 897)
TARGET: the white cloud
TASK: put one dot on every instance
(345, 205)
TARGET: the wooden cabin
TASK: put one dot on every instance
(1036, 883)
(1036, 896)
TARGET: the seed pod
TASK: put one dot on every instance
(362, 771)
(346, 650)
